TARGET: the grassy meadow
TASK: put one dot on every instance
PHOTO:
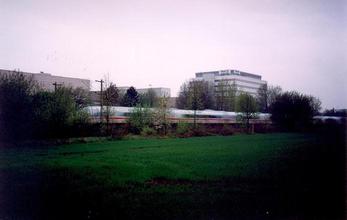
(262, 176)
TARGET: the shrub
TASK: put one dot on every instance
(247, 105)
(139, 118)
(201, 130)
(147, 131)
(16, 112)
(183, 129)
(226, 130)
(293, 111)
(27, 112)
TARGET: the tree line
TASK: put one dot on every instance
(290, 110)
(26, 111)
(131, 98)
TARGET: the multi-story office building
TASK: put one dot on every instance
(48, 82)
(244, 82)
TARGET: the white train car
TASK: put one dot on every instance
(119, 114)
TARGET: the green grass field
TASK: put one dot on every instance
(263, 176)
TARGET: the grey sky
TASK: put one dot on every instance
(297, 44)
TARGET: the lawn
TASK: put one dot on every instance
(262, 176)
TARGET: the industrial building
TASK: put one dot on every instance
(48, 81)
(244, 82)
(159, 91)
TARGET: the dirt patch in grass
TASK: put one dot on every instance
(146, 147)
(162, 181)
(81, 152)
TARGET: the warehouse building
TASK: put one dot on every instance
(48, 81)
(159, 91)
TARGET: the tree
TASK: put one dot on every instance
(293, 111)
(139, 118)
(196, 95)
(231, 97)
(266, 96)
(316, 104)
(81, 97)
(272, 93)
(195, 101)
(149, 98)
(226, 96)
(56, 113)
(111, 95)
(161, 115)
(262, 98)
(28, 112)
(221, 95)
(183, 97)
(62, 111)
(16, 110)
(247, 106)
(130, 98)
(199, 91)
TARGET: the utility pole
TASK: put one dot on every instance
(101, 97)
(55, 84)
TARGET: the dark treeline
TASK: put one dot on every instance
(290, 110)
(131, 98)
(27, 112)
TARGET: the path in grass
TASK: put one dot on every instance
(217, 177)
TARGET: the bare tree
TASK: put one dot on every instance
(161, 115)
(247, 106)
(200, 90)
(149, 98)
(272, 93)
(221, 95)
(262, 98)
(110, 97)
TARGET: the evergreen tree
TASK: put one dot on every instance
(130, 98)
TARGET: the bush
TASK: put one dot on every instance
(16, 109)
(27, 113)
(201, 130)
(147, 131)
(226, 130)
(57, 114)
(183, 129)
(293, 111)
(139, 118)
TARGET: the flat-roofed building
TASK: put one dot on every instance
(159, 91)
(244, 82)
(46, 81)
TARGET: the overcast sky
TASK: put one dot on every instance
(297, 44)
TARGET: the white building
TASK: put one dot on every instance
(159, 91)
(244, 82)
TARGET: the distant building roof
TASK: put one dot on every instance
(228, 72)
(46, 80)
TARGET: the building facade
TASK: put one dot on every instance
(48, 82)
(243, 82)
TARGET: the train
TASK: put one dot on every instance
(120, 114)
